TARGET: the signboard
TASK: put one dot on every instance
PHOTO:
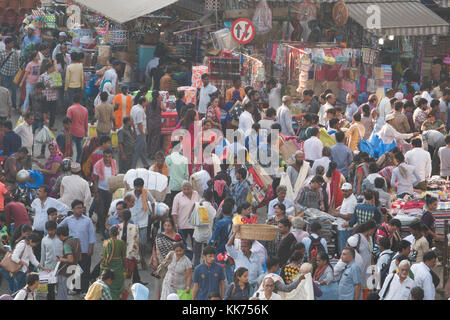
(243, 31)
(234, 9)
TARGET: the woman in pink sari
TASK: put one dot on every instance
(51, 167)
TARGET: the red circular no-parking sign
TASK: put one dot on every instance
(243, 31)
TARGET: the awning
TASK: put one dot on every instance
(122, 11)
(398, 18)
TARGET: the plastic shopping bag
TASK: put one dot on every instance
(262, 18)
(326, 139)
(199, 216)
(45, 136)
(114, 139)
(19, 122)
(183, 295)
(92, 131)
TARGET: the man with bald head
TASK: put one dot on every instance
(299, 169)
(245, 258)
(284, 117)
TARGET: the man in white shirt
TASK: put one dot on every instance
(397, 286)
(313, 147)
(345, 214)
(384, 108)
(41, 204)
(74, 187)
(204, 96)
(426, 88)
(274, 94)
(140, 126)
(420, 159)
(331, 101)
(422, 275)
(351, 107)
(269, 119)
(246, 119)
(324, 161)
(153, 63)
(25, 131)
(267, 294)
(111, 75)
(284, 117)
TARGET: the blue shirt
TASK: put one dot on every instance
(221, 234)
(81, 228)
(208, 279)
(253, 265)
(343, 156)
(11, 143)
(240, 192)
(351, 276)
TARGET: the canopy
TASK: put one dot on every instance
(399, 18)
(122, 11)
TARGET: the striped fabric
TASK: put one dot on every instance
(399, 18)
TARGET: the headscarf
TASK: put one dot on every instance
(139, 291)
(55, 157)
(107, 87)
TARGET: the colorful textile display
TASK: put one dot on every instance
(190, 94)
(197, 72)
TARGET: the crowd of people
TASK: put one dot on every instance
(74, 208)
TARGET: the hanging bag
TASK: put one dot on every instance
(262, 20)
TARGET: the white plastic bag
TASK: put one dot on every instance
(45, 136)
(262, 18)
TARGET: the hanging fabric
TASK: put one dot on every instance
(262, 19)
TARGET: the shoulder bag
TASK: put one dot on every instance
(164, 265)
(9, 265)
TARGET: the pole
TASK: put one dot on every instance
(445, 264)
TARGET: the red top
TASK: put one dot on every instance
(16, 211)
(79, 116)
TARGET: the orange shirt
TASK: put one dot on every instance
(119, 113)
(229, 93)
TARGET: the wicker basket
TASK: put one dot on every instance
(261, 232)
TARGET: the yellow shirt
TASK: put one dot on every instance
(354, 136)
(74, 76)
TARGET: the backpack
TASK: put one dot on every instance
(13, 295)
(315, 248)
(385, 268)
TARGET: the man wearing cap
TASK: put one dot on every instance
(111, 75)
(344, 213)
(31, 37)
(62, 39)
(388, 133)
(74, 187)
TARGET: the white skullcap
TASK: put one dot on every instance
(173, 296)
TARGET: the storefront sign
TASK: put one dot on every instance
(234, 9)
(243, 31)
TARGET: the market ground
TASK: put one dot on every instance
(144, 274)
